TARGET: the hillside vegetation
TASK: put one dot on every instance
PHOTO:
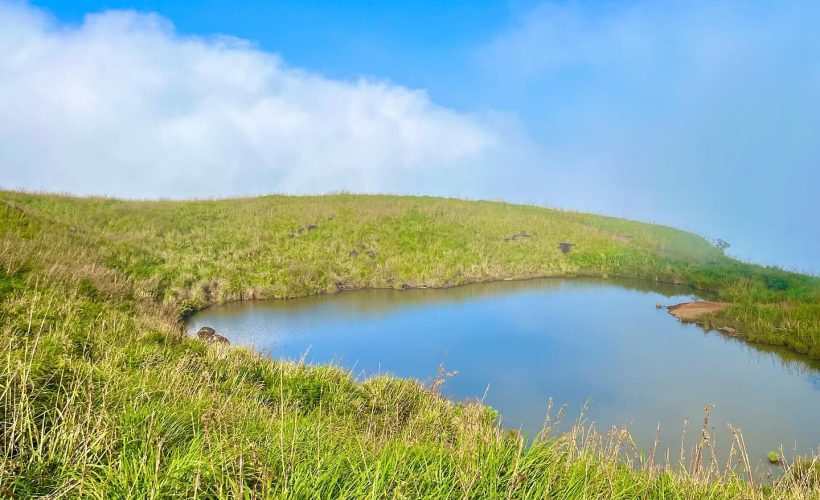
(189, 254)
(102, 394)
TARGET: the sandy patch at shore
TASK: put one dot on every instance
(694, 310)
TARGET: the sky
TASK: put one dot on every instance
(703, 115)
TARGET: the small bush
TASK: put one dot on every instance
(773, 457)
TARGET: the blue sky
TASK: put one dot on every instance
(702, 115)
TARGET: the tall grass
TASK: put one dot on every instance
(157, 416)
(102, 396)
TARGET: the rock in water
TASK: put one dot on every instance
(209, 335)
(206, 333)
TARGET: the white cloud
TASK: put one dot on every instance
(698, 114)
(123, 105)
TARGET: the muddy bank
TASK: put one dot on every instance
(692, 311)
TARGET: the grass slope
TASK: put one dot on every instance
(190, 254)
(102, 396)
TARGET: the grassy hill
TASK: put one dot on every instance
(102, 395)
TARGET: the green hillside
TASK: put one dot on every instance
(102, 395)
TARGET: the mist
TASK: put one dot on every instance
(702, 115)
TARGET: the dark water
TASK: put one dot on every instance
(600, 342)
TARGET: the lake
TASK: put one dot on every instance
(595, 344)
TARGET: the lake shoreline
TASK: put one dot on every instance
(185, 315)
(704, 320)
(706, 325)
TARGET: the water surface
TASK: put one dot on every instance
(599, 343)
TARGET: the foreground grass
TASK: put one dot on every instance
(102, 395)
